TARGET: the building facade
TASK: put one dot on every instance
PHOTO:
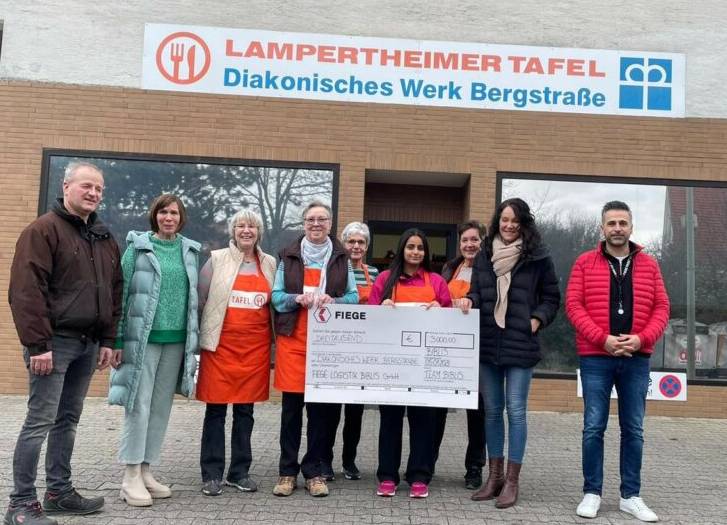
(73, 85)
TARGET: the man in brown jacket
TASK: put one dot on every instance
(65, 296)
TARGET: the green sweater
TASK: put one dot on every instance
(170, 319)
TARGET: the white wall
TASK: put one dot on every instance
(97, 42)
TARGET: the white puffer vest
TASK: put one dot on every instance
(225, 266)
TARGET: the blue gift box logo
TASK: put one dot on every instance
(645, 83)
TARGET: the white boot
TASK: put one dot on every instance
(156, 489)
(133, 490)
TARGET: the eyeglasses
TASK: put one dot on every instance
(356, 241)
(317, 220)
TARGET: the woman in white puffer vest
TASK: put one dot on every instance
(235, 338)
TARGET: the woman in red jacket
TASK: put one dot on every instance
(408, 282)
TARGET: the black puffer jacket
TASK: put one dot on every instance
(534, 293)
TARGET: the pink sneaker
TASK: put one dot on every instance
(418, 490)
(386, 488)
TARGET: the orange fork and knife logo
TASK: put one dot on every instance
(183, 58)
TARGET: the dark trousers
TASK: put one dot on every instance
(212, 453)
(353, 415)
(54, 409)
(320, 433)
(475, 455)
(420, 464)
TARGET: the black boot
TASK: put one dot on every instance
(473, 477)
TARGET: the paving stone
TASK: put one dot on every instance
(683, 479)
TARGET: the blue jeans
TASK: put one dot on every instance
(631, 378)
(54, 408)
(505, 386)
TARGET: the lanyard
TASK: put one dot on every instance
(619, 281)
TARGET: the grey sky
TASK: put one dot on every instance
(566, 198)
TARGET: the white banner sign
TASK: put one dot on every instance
(394, 71)
(663, 386)
(393, 356)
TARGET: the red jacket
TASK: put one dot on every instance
(587, 301)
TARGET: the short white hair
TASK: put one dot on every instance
(317, 204)
(73, 167)
(249, 216)
(356, 228)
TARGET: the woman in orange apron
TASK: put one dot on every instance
(314, 270)
(235, 337)
(458, 273)
(355, 238)
(409, 282)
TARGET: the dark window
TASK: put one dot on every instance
(211, 189)
(567, 211)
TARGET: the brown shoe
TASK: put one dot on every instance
(285, 486)
(494, 483)
(317, 487)
(508, 496)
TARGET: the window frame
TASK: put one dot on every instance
(183, 159)
(611, 179)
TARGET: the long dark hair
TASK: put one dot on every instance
(396, 268)
(528, 231)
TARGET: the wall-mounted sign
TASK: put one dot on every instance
(413, 72)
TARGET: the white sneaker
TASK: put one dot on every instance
(637, 508)
(589, 505)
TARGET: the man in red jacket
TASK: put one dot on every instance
(617, 303)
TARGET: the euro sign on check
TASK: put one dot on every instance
(385, 355)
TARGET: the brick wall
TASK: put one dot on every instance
(358, 137)
(559, 395)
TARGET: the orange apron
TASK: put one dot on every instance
(238, 371)
(414, 295)
(290, 349)
(457, 287)
(364, 290)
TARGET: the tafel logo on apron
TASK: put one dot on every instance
(250, 300)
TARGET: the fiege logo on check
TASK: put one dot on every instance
(356, 316)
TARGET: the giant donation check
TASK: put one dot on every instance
(393, 356)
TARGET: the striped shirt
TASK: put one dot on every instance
(360, 276)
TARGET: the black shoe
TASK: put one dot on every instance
(71, 503)
(212, 487)
(327, 472)
(27, 514)
(473, 478)
(351, 472)
(246, 484)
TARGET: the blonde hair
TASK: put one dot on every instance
(249, 216)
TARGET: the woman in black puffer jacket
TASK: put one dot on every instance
(515, 287)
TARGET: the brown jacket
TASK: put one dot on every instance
(336, 279)
(65, 279)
